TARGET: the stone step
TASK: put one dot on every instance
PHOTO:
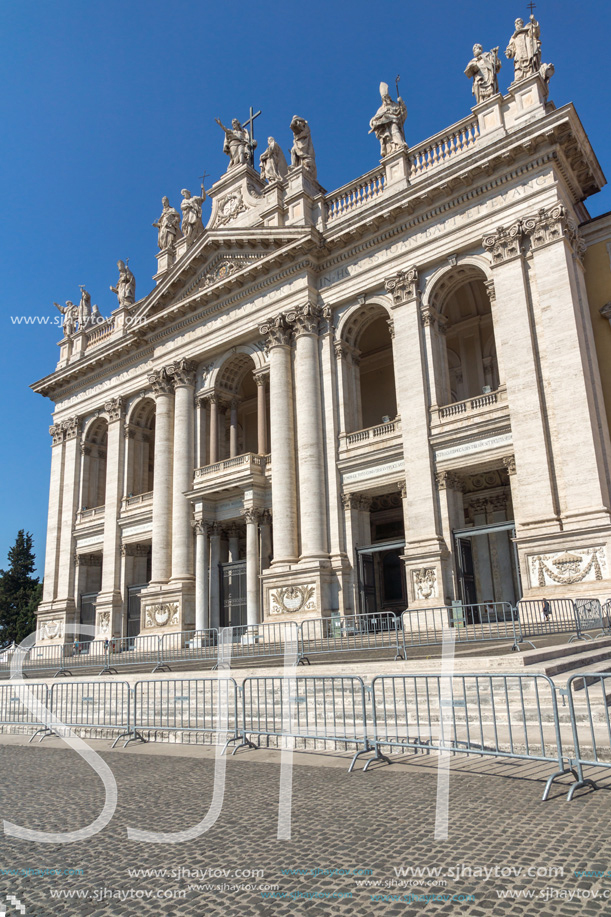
(545, 654)
(599, 656)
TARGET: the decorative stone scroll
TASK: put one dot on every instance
(293, 599)
(161, 615)
(161, 382)
(568, 567)
(276, 330)
(504, 244)
(183, 372)
(305, 319)
(552, 225)
(403, 286)
(448, 480)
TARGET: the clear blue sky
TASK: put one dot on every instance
(108, 106)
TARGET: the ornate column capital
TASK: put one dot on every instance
(261, 376)
(403, 286)
(161, 382)
(183, 372)
(402, 488)
(252, 515)
(489, 284)
(448, 480)
(200, 526)
(504, 244)
(551, 225)
(56, 433)
(135, 550)
(85, 449)
(70, 428)
(276, 331)
(214, 530)
(114, 408)
(305, 319)
(509, 461)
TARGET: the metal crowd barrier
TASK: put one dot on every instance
(264, 640)
(591, 616)
(187, 646)
(208, 705)
(494, 715)
(14, 711)
(561, 619)
(330, 708)
(38, 659)
(91, 705)
(350, 633)
(490, 621)
(591, 724)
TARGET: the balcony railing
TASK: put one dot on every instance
(100, 332)
(87, 514)
(137, 500)
(370, 434)
(355, 194)
(469, 406)
(237, 464)
(446, 145)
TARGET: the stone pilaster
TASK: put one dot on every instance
(517, 344)
(261, 383)
(202, 608)
(214, 534)
(54, 519)
(163, 389)
(182, 579)
(109, 605)
(424, 546)
(64, 600)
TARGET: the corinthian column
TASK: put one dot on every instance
(260, 381)
(183, 374)
(284, 491)
(312, 499)
(251, 517)
(163, 390)
(70, 490)
(202, 617)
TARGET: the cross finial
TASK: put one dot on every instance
(531, 6)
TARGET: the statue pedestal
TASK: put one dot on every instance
(274, 212)
(397, 167)
(237, 198)
(528, 98)
(304, 199)
(490, 119)
(165, 260)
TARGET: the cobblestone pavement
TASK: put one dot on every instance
(347, 830)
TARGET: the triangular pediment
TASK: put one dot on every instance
(221, 260)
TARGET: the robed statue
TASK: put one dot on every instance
(191, 207)
(238, 144)
(387, 123)
(524, 49)
(168, 226)
(484, 68)
(126, 285)
(272, 162)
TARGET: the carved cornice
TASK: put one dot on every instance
(553, 225)
(276, 331)
(114, 408)
(403, 286)
(161, 382)
(183, 372)
(504, 244)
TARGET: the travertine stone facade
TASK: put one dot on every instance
(383, 397)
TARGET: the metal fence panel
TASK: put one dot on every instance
(92, 705)
(533, 621)
(589, 696)
(490, 621)
(591, 615)
(207, 705)
(261, 640)
(144, 649)
(14, 710)
(508, 716)
(187, 646)
(40, 658)
(331, 708)
(351, 633)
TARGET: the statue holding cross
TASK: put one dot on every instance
(524, 49)
(239, 142)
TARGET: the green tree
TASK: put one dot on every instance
(20, 592)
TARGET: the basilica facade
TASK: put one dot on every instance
(386, 397)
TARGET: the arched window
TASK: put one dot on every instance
(94, 465)
(141, 449)
(369, 377)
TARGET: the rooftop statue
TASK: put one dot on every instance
(484, 68)
(524, 49)
(126, 285)
(192, 214)
(168, 225)
(273, 163)
(70, 315)
(238, 144)
(387, 123)
(302, 151)
(84, 309)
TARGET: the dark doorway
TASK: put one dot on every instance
(487, 564)
(87, 617)
(134, 609)
(233, 594)
(382, 579)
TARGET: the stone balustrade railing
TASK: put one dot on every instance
(469, 405)
(87, 514)
(438, 150)
(137, 500)
(355, 194)
(382, 431)
(100, 332)
(249, 458)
